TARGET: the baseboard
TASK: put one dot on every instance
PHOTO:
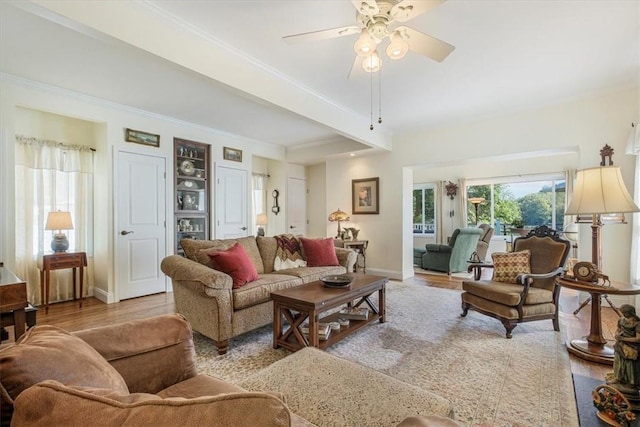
(391, 274)
(100, 294)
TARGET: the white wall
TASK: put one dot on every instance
(317, 202)
(109, 123)
(549, 139)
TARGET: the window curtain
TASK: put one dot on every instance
(51, 176)
(462, 191)
(439, 211)
(259, 202)
(633, 147)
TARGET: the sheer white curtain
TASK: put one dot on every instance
(51, 176)
(259, 193)
(633, 147)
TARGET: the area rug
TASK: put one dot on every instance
(491, 380)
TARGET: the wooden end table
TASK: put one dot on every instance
(13, 300)
(309, 301)
(594, 347)
(59, 261)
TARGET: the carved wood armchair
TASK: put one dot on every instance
(532, 295)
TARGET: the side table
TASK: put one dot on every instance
(60, 261)
(360, 246)
(594, 347)
(13, 300)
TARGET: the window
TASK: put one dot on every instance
(424, 209)
(518, 202)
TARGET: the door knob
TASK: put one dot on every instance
(243, 228)
(124, 232)
(292, 227)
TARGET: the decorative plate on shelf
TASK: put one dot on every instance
(187, 167)
(336, 281)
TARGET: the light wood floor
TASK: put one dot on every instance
(94, 313)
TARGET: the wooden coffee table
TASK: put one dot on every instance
(310, 301)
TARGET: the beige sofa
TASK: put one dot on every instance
(144, 373)
(206, 296)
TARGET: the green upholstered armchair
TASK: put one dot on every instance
(531, 296)
(452, 257)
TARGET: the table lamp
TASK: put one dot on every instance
(261, 221)
(59, 221)
(338, 216)
(600, 191)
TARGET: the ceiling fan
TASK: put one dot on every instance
(376, 20)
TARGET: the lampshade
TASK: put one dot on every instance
(365, 45)
(476, 200)
(59, 221)
(372, 63)
(261, 219)
(397, 48)
(600, 190)
(338, 216)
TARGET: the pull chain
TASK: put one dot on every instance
(371, 101)
(380, 96)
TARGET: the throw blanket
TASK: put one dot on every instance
(289, 253)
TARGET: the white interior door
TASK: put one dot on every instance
(141, 231)
(231, 203)
(297, 206)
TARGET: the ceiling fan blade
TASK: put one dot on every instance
(426, 45)
(366, 7)
(322, 35)
(409, 9)
(356, 68)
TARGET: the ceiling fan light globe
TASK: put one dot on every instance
(372, 64)
(365, 45)
(397, 48)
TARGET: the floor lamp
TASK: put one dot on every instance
(476, 201)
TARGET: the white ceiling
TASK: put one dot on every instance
(510, 55)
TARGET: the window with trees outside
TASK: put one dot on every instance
(515, 204)
(424, 209)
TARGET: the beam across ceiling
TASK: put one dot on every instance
(149, 28)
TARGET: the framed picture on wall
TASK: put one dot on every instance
(232, 154)
(365, 196)
(140, 137)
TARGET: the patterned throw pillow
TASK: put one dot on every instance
(289, 253)
(507, 266)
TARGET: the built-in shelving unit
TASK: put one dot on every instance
(191, 191)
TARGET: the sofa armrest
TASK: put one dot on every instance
(184, 269)
(347, 258)
(151, 354)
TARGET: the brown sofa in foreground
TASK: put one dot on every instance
(214, 308)
(144, 373)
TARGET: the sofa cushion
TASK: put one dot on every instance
(508, 265)
(236, 263)
(319, 252)
(311, 274)
(47, 352)
(267, 247)
(198, 386)
(288, 253)
(49, 403)
(196, 250)
(260, 291)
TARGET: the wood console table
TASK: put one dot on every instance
(594, 347)
(59, 261)
(13, 299)
(360, 246)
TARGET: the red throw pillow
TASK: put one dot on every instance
(236, 263)
(319, 252)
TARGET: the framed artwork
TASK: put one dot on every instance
(365, 196)
(140, 137)
(232, 154)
